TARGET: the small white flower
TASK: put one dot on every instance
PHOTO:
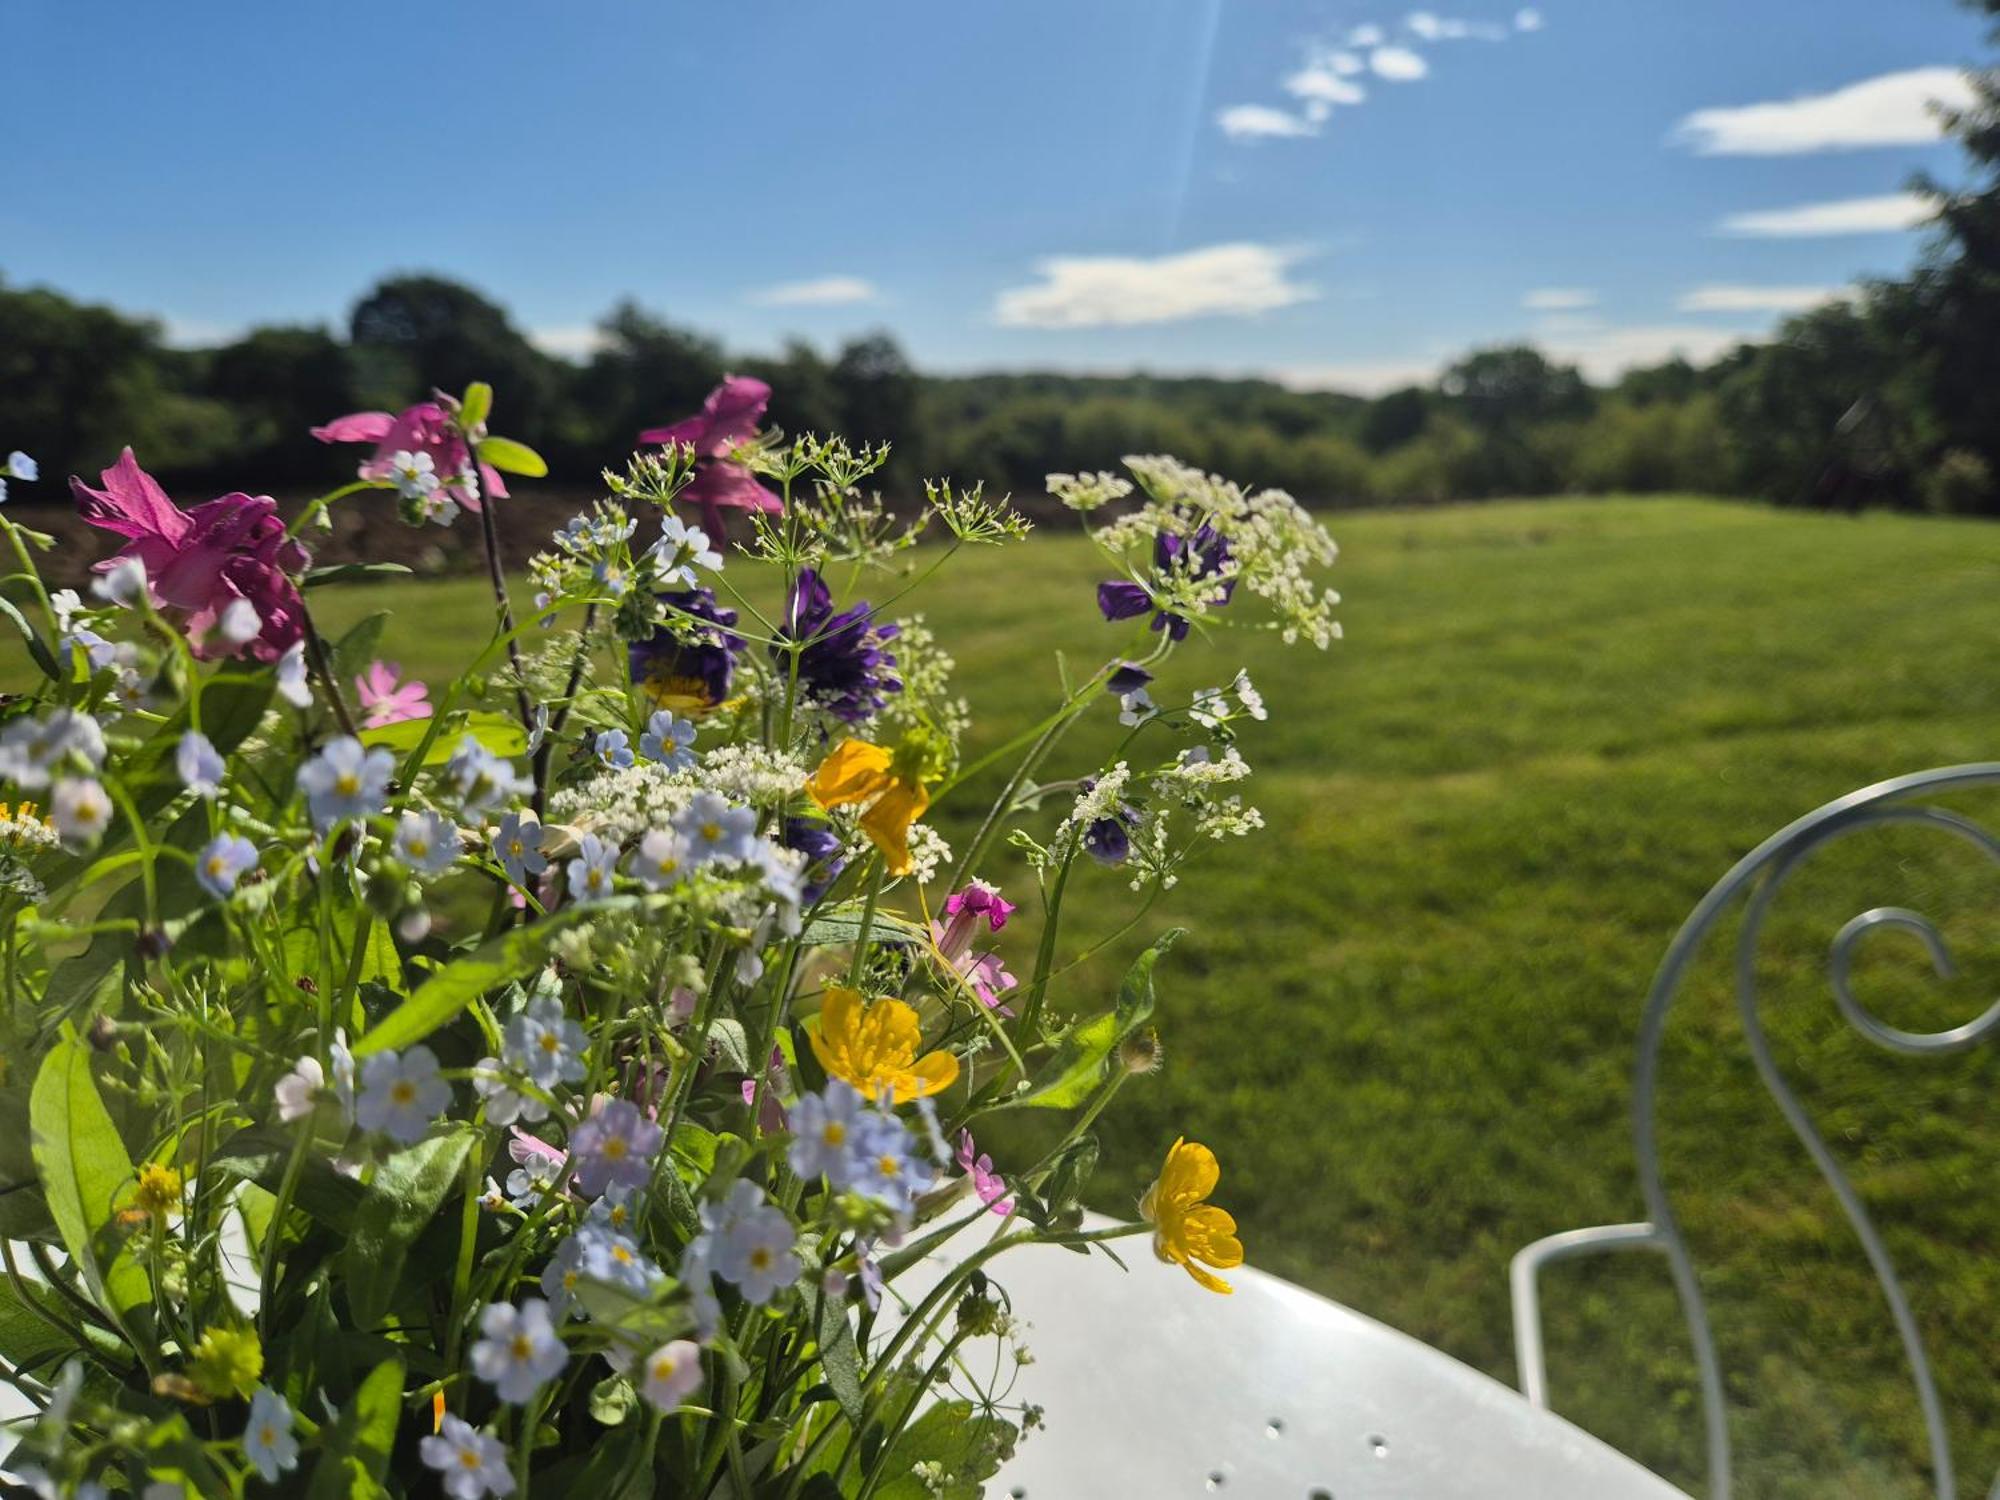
(82, 811)
(712, 829)
(544, 1043)
(415, 474)
(672, 1374)
(680, 550)
(22, 467)
(427, 842)
(1250, 698)
(669, 740)
(473, 1463)
(239, 624)
(401, 1094)
(300, 1091)
(292, 684)
(123, 583)
(660, 861)
(199, 766)
(1135, 707)
(504, 1103)
(749, 1242)
(268, 1441)
(520, 1350)
(346, 781)
(222, 861)
(517, 843)
(591, 871)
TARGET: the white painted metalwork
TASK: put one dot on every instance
(1155, 1389)
(1758, 877)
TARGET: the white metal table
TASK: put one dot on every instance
(1155, 1388)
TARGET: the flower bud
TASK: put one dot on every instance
(1141, 1052)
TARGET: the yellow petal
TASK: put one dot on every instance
(887, 822)
(833, 1039)
(1213, 1283)
(853, 772)
(1190, 1174)
(932, 1074)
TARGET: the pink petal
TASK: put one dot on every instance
(131, 503)
(360, 427)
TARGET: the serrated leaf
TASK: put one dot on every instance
(84, 1169)
(397, 1205)
(492, 964)
(510, 457)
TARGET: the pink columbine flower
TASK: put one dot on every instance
(727, 418)
(388, 701)
(201, 562)
(963, 912)
(425, 428)
(987, 1185)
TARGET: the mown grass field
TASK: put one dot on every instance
(1404, 1016)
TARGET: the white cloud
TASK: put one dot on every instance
(1605, 353)
(1095, 291)
(1529, 20)
(1318, 81)
(1559, 299)
(1260, 122)
(1435, 28)
(570, 341)
(198, 333)
(824, 291)
(1758, 299)
(1345, 63)
(1883, 215)
(1366, 36)
(1892, 110)
(1364, 377)
(1397, 64)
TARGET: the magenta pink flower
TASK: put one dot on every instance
(727, 418)
(988, 1185)
(964, 911)
(424, 428)
(388, 701)
(200, 562)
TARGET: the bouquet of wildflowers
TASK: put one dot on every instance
(544, 1087)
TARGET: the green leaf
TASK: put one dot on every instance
(260, 1154)
(612, 1400)
(840, 1361)
(496, 962)
(476, 405)
(352, 573)
(353, 651)
(84, 1169)
(356, 1451)
(400, 1203)
(510, 457)
(843, 925)
(1069, 1077)
(500, 733)
(36, 648)
(968, 1445)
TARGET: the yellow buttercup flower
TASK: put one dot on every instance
(1186, 1229)
(875, 1046)
(159, 1191)
(856, 771)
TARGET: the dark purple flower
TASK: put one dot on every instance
(1125, 677)
(689, 676)
(727, 418)
(843, 667)
(1109, 840)
(821, 846)
(1201, 555)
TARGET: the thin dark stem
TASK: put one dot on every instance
(497, 575)
(322, 666)
(546, 752)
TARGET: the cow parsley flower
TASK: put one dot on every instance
(401, 1094)
(519, 1350)
(473, 1463)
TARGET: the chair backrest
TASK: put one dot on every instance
(1758, 878)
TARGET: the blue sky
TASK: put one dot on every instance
(1332, 191)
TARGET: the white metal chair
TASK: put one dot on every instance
(1758, 877)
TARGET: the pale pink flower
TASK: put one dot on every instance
(424, 428)
(388, 701)
(727, 418)
(987, 1184)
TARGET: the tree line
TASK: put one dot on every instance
(1888, 397)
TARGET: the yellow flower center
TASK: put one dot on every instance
(664, 1367)
(347, 783)
(711, 832)
(403, 1091)
(835, 1133)
(760, 1259)
(615, 1148)
(522, 1347)
(551, 1043)
(468, 1458)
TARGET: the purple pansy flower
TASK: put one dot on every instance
(821, 846)
(691, 677)
(842, 667)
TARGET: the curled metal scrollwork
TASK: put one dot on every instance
(1762, 874)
